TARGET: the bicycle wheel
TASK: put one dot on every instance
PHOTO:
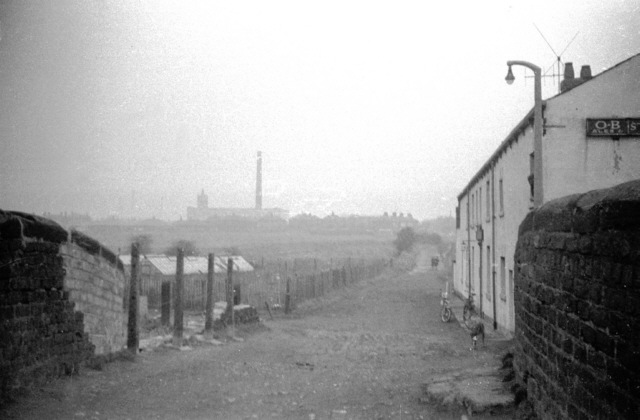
(445, 314)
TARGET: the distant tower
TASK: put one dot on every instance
(259, 183)
(203, 200)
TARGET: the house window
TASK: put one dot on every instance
(488, 203)
(501, 194)
(480, 205)
(473, 209)
(457, 217)
(503, 280)
(489, 273)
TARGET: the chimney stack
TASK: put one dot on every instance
(568, 71)
(570, 81)
(259, 182)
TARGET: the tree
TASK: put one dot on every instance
(144, 243)
(188, 247)
(232, 250)
(405, 240)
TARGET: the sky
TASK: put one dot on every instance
(132, 108)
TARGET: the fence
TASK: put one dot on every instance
(269, 286)
(309, 278)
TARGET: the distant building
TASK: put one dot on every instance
(591, 140)
(202, 212)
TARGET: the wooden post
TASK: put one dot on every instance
(178, 317)
(133, 340)
(208, 322)
(165, 303)
(268, 309)
(287, 297)
(286, 270)
(229, 288)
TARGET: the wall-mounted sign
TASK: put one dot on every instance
(613, 127)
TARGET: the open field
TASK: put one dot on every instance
(253, 245)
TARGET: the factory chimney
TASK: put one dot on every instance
(259, 183)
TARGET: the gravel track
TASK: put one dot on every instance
(360, 353)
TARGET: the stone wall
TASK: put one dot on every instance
(59, 293)
(577, 297)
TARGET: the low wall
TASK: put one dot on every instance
(95, 280)
(41, 335)
(577, 298)
(60, 300)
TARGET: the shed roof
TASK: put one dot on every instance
(192, 264)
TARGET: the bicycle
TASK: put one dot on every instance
(469, 311)
(445, 311)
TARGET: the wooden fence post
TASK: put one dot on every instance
(178, 317)
(165, 303)
(133, 340)
(208, 323)
(287, 297)
(229, 289)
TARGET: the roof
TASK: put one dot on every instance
(512, 137)
(519, 129)
(192, 264)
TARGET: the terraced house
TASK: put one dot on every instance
(590, 140)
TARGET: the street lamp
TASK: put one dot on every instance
(537, 126)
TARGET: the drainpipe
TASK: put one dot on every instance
(468, 244)
(480, 257)
(493, 244)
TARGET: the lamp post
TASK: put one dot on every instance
(537, 127)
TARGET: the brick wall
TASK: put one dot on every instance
(41, 335)
(59, 293)
(95, 280)
(577, 298)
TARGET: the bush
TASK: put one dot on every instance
(405, 240)
(188, 247)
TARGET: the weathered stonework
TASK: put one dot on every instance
(95, 281)
(60, 300)
(577, 298)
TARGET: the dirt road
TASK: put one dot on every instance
(361, 353)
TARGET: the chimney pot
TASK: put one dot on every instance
(585, 72)
(568, 71)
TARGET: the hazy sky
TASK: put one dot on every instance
(131, 108)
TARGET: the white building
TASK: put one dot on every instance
(591, 140)
(204, 213)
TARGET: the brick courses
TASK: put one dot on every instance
(57, 298)
(577, 298)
